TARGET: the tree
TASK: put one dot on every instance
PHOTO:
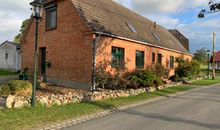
(201, 56)
(18, 37)
(213, 8)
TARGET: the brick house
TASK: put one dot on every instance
(75, 36)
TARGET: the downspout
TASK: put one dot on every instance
(95, 41)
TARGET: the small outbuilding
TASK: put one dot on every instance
(10, 56)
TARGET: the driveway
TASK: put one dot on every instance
(4, 79)
(195, 110)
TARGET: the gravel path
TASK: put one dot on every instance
(5, 79)
(2, 102)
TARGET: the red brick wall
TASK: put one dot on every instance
(106, 44)
(69, 52)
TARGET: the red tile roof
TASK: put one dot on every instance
(217, 56)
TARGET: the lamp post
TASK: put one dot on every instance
(208, 51)
(37, 9)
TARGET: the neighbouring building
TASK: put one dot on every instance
(10, 56)
(182, 39)
(76, 36)
(217, 61)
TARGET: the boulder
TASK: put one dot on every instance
(132, 92)
(57, 102)
(65, 102)
(9, 101)
(20, 104)
(44, 101)
(75, 100)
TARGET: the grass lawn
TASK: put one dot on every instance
(25, 119)
(207, 81)
(6, 73)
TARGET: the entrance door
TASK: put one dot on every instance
(43, 61)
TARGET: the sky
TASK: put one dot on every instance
(172, 14)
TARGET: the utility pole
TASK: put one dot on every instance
(213, 59)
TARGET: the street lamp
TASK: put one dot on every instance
(37, 9)
(208, 51)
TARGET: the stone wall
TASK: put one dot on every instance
(99, 95)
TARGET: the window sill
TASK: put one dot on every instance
(49, 29)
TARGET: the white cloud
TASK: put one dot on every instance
(165, 6)
(12, 13)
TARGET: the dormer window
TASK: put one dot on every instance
(51, 17)
(131, 27)
(156, 37)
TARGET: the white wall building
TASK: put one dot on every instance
(10, 56)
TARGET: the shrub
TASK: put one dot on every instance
(107, 80)
(186, 69)
(16, 87)
(142, 78)
(159, 70)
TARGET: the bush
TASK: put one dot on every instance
(16, 87)
(142, 78)
(159, 70)
(107, 80)
(186, 69)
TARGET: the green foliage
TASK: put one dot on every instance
(186, 69)
(15, 87)
(107, 80)
(201, 56)
(159, 70)
(123, 80)
(143, 78)
(18, 37)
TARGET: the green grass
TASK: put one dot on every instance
(25, 119)
(207, 82)
(6, 73)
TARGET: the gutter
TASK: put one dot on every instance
(95, 40)
(127, 39)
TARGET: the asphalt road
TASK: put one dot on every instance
(195, 110)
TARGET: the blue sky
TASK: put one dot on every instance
(172, 14)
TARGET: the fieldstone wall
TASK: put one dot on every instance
(100, 94)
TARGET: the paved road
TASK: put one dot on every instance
(195, 110)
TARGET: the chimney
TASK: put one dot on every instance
(155, 25)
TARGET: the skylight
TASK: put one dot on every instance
(131, 28)
(156, 37)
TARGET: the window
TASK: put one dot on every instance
(117, 57)
(153, 57)
(51, 18)
(171, 62)
(155, 36)
(159, 58)
(139, 59)
(131, 28)
(6, 55)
